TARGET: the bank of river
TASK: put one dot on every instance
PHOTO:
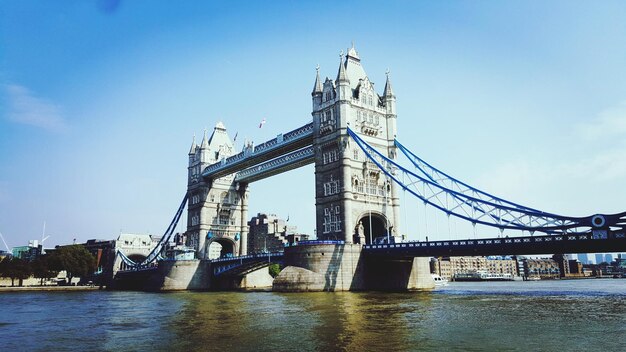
(478, 316)
(46, 288)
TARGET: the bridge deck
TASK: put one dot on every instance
(282, 144)
(574, 243)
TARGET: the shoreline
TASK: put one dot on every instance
(48, 288)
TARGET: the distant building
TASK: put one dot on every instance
(28, 253)
(269, 233)
(104, 252)
(599, 258)
(540, 268)
(448, 267)
(568, 267)
(135, 246)
(583, 258)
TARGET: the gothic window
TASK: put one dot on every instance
(224, 197)
(376, 120)
(331, 186)
(329, 156)
(356, 154)
(371, 186)
(224, 218)
(332, 222)
(195, 219)
(358, 115)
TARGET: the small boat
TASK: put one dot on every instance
(439, 281)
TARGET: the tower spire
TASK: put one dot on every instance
(388, 93)
(317, 87)
(205, 141)
(192, 150)
(341, 75)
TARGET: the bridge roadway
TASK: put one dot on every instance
(548, 244)
(244, 264)
(283, 144)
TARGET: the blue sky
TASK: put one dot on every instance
(99, 101)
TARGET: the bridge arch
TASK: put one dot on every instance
(369, 227)
(135, 257)
(220, 248)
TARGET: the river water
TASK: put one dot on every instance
(567, 315)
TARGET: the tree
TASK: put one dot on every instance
(43, 268)
(75, 260)
(274, 269)
(15, 268)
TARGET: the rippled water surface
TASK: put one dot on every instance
(573, 315)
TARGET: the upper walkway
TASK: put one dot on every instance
(282, 145)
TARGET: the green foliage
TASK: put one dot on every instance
(42, 268)
(274, 269)
(15, 269)
(75, 260)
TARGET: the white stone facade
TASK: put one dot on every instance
(217, 211)
(355, 201)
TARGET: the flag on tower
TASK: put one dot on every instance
(262, 123)
(235, 139)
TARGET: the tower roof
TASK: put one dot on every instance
(317, 87)
(220, 139)
(354, 70)
(192, 150)
(204, 144)
(388, 90)
(353, 54)
(341, 74)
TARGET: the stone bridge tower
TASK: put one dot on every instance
(354, 199)
(217, 210)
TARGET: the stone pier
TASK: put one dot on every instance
(343, 267)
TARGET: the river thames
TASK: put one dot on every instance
(570, 315)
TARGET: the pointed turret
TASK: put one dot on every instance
(317, 87)
(192, 150)
(388, 93)
(341, 74)
(205, 142)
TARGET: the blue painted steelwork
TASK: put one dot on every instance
(463, 201)
(155, 254)
(290, 141)
(296, 159)
(562, 243)
(244, 264)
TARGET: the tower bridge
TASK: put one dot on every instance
(352, 143)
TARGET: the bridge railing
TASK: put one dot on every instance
(496, 241)
(280, 140)
(276, 163)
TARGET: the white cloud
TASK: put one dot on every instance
(26, 108)
(609, 123)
